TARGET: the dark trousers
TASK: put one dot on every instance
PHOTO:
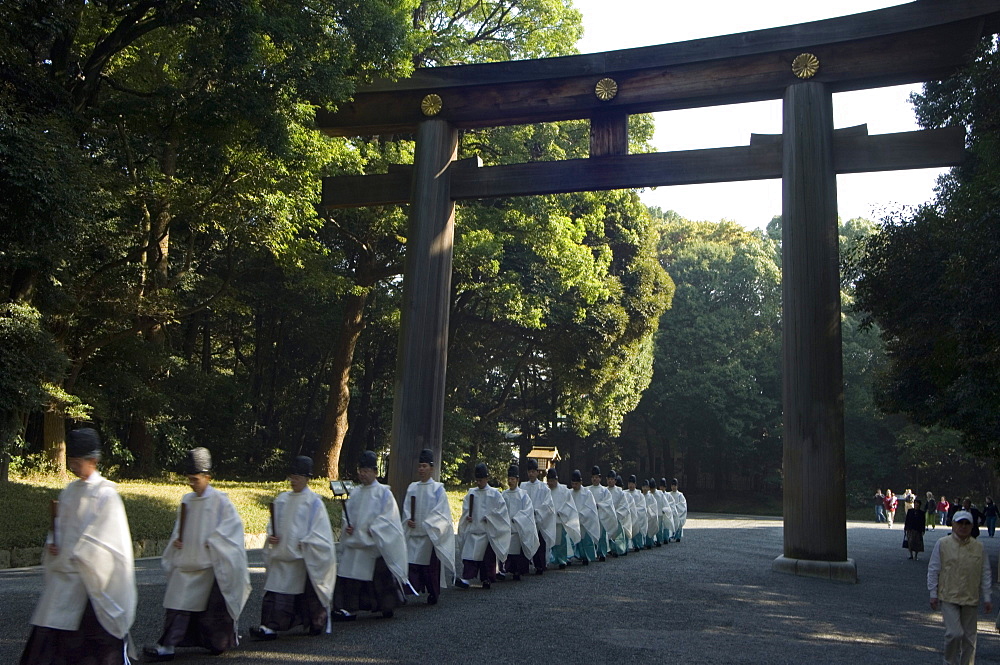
(89, 644)
(516, 564)
(485, 569)
(283, 611)
(211, 629)
(381, 594)
(427, 578)
(541, 557)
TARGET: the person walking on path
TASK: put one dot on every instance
(930, 511)
(942, 510)
(990, 511)
(430, 533)
(891, 502)
(958, 577)
(908, 498)
(913, 530)
(879, 506)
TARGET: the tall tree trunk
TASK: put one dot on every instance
(54, 435)
(335, 420)
(360, 415)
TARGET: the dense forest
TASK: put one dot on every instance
(167, 274)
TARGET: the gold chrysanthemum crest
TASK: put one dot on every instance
(606, 89)
(805, 65)
(431, 104)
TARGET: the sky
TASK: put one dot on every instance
(619, 24)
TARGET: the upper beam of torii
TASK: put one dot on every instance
(800, 64)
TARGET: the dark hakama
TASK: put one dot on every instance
(427, 578)
(516, 564)
(381, 594)
(541, 557)
(485, 569)
(284, 611)
(89, 644)
(212, 628)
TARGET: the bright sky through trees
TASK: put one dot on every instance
(618, 24)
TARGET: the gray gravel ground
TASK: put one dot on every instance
(710, 599)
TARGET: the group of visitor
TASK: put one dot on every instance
(89, 600)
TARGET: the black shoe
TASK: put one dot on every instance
(432, 600)
(540, 572)
(517, 577)
(586, 562)
(602, 558)
(614, 555)
(561, 566)
(501, 576)
(314, 631)
(461, 584)
(387, 614)
(261, 636)
(151, 655)
(486, 585)
(342, 615)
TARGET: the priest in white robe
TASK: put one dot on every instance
(430, 531)
(639, 518)
(372, 571)
(623, 513)
(208, 581)
(483, 531)
(682, 510)
(585, 551)
(567, 520)
(89, 598)
(523, 530)
(300, 559)
(545, 515)
(666, 511)
(652, 515)
(606, 513)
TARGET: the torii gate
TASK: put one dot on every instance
(802, 64)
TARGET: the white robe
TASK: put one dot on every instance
(606, 510)
(306, 546)
(213, 550)
(490, 524)
(523, 530)
(434, 528)
(666, 511)
(652, 515)
(623, 510)
(586, 507)
(545, 512)
(94, 561)
(638, 510)
(682, 508)
(377, 533)
(567, 515)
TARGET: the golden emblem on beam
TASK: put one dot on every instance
(606, 89)
(431, 104)
(805, 65)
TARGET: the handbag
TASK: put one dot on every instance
(906, 543)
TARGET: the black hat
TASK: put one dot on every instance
(674, 482)
(83, 442)
(596, 471)
(612, 475)
(645, 482)
(301, 466)
(663, 482)
(481, 471)
(552, 473)
(368, 460)
(426, 457)
(513, 471)
(631, 479)
(577, 476)
(198, 460)
(531, 464)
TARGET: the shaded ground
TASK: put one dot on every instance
(710, 599)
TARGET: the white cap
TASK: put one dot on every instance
(962, 515)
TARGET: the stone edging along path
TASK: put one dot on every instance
(24, 557)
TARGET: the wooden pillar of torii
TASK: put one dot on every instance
(803, 65)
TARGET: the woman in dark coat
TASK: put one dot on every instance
(914, 528)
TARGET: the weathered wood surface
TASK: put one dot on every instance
(815, 515)
(909, 43)
(854, 152)
(418, 402)
(608, 134)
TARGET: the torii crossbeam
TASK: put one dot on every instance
(803, 65)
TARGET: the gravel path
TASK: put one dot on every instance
(710, 599)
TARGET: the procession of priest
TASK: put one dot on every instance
(89, 600)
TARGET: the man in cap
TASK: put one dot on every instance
(523, 530)
(372, 571)
(680, 517)
(430, 534)
(621, 539)
(208, 581)
(567, 520)
(638, 509)
(89, 598)
(605, 511)
(545, 515)
(483, 531)
(958, 577)
(300, 558)
(590, 521)
(665, 502)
